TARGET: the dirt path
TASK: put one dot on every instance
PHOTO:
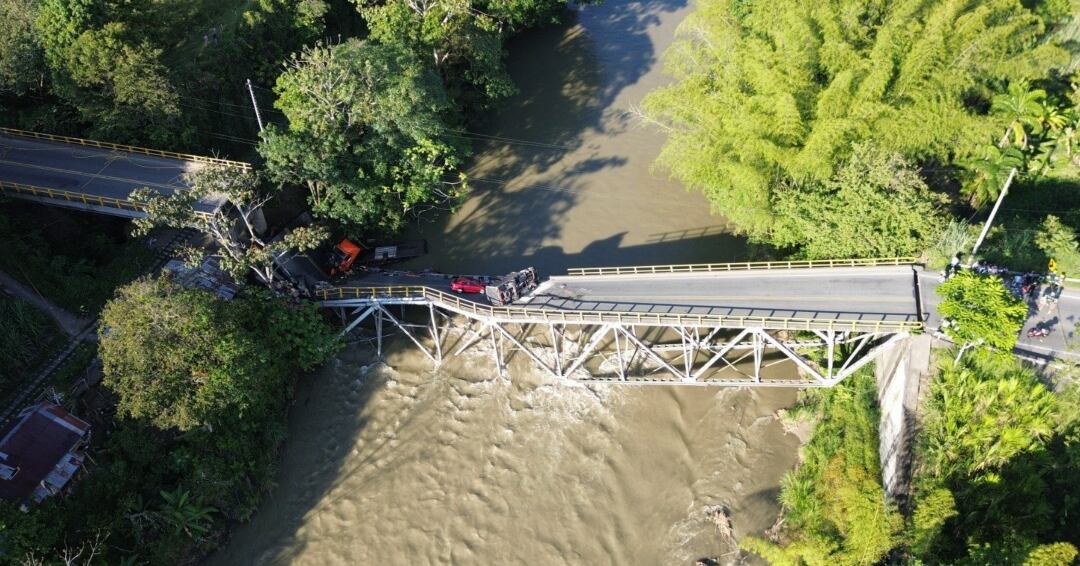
(70, 323)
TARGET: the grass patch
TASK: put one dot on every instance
(63, 380)
(75, 260)
(28, 338)
(1011, 241)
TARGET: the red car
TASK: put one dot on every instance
(466, 285)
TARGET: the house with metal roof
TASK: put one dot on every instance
(40, 451)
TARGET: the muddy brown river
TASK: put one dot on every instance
(399, 463)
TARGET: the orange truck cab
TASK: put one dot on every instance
(342, 257)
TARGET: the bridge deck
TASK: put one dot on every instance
(885, 293)
(865, 298)
(87, 177)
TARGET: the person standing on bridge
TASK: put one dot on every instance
(953, 267)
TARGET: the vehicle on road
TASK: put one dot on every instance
(346, 253)
(511, 287)
(466, 285)
(1038, 332)
(341, 257)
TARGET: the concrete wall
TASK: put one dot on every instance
(899, 372)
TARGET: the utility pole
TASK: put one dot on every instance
(258, 117)
(993, 213)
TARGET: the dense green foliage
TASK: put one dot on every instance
(836, 510)
(981, 414)
(1058, 242)
(772, 94)
(997, 467)
(980, 310)
(75, 260)
(371, 122)
(462, 39)
(27, 337)
(21, 63)
(875, 205)
(202, 387)
(363, 135)
(167, 74)
(184, 359)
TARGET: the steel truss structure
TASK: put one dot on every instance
(640, 351)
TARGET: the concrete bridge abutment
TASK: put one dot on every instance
(900, 371)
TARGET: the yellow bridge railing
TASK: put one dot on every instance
(56, 194)
(127, 148)
(739, 266)
(525, 313)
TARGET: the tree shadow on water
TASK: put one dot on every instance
(328, 444)
(531, 164)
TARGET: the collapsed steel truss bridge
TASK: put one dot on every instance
(600, 345)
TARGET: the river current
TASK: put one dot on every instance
(397, 463)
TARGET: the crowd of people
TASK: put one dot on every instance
(1028, 285)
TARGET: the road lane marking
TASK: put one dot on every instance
(94, 177)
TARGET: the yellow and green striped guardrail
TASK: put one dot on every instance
(739, 266)
(57, 194)
(524, 313)
(126, 148)
(84, 198)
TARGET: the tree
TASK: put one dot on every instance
(272, 29)
(244, 199)
(463, 39)
(836, 511)
(364, 135)
(462, 42)
(22, 67)
(1056, 554)
(980, 310)
(768, 90)
(185, 359)
(61, 22)
(121, 87)
(202, 386)
(1023, 107)
(986, 176)
(186, 514)
(933, 508)
(982, 413)
(876, 205)
(1058, 241)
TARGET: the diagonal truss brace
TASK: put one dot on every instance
(688, 360)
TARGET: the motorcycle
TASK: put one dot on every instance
(1038, 332)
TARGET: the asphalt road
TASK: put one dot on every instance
(861, 293)
(1060, 318)
(93, 171)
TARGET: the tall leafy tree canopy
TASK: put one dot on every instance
(779, 89)
(876, 205)
(980, 310)
(365, 120)
(21, 63)
(463, 39)
(184, 359)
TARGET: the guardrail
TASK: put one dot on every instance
(57, 194)
(739, 266)
(127, 148)
(521, 313)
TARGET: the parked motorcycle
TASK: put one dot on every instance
(1038, 332)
